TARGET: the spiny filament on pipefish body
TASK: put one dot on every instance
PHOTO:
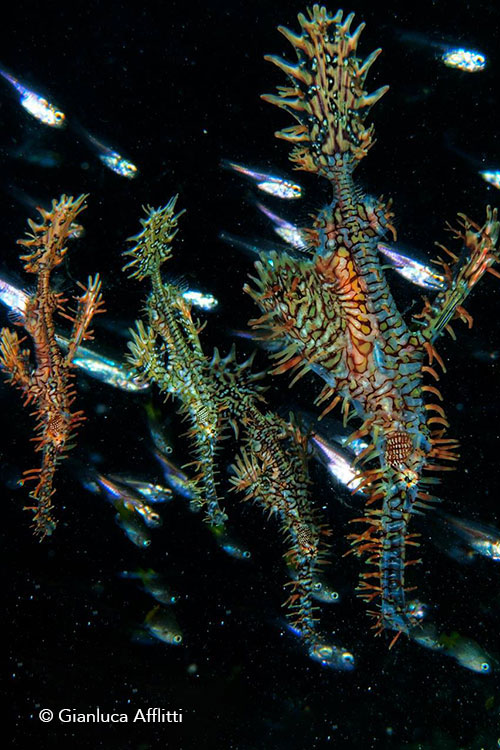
(331, 311)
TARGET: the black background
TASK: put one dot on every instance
(176, 86)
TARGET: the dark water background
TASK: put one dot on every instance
(176, 87)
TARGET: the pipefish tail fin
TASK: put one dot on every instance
(327, 94)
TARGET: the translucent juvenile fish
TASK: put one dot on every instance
(332, 656)
(175, 477)
(111, 158)
(150, 516)
(123, 497)
(465, 651)
(327, 654)
(157, 430)
(153, 493)
(491, 176)
(107, 370)
(163, 626)
(470, 655)
(152, 583)
(14, 299)
(230, 545)
(339, 465)
(453, 56)
(35, 104)
(482, 539)
(322, 590)
(277, 186)
(201, 300)
(288, 232)
(413, 270)
(468, 60)
(483, 355)
(133, 528)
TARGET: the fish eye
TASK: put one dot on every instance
(325, 652)
(247, 554)
(335, 595)
(485, 667)
(177, 638)
(348, 659)
(318, 586)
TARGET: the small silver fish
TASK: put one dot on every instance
(332, 656)
(153, 493)
(133, 528)
(465, 651)
(338, 463)
(123, 498)
(323, 592)
(468, 60)
(321, 589)
(491, 176)
(106, 370)
(288, 232)
(111, 158)
(230, 545)
(277, 186)
(36, 105)
(163, 626)
(154, 584)
(14, 299)
(411, 269)
(483, 539)
(327, 654)
(470, 655)
(453, 56)
(203, 301)
(176, 478)
(150, 516)
(158, 430)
